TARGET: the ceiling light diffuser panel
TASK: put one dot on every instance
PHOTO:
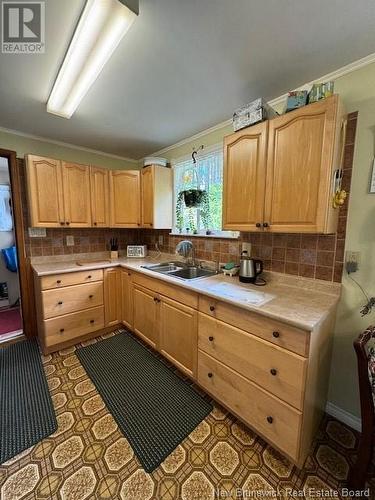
(102, 25)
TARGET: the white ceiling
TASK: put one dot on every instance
(184, 66)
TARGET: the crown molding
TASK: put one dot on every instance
(66, 145)
(334, 75)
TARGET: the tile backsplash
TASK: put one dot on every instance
(307, 255)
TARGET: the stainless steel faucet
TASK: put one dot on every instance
(186, 249)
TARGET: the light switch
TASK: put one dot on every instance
(161, 239)
(37, 232)
(70, 241)
(246, 247)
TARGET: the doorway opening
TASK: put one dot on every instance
(11, 322)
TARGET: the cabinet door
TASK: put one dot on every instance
(44, 186)
(146, 315)
(112, 291)
(299, 169)
(179, 335)
(127, 298)
(99, 182)
(244, 178)
(147, 186)
(125, 196)
(76, 189)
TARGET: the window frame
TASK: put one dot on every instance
(216, 233)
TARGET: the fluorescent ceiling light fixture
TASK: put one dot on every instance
(100, 29)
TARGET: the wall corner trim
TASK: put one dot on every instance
(344, 416)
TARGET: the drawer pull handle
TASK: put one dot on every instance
(91, 296)
(212, 308)
(276, 334)
(270, 420)
(92, 321)
(58, 282)
(60, 303)
(211, 339)
(62, 330)
(210, 375)
(273, 371)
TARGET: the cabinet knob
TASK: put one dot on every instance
(60, 303)
(67, 223)
(265, 224)
(276, 334)
(89, 277)
(95, 223)
(92, 321)
(273, 371)
(62, 223)
(270, 420)
(58, 282)
(91, 296)
(129, 274)
(211, 339)
(62, 330)
(212, 308)
(210, 375)
(258, 224)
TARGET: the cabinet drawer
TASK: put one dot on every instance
(275, 420)
(67, 279)
(277, 370)
(71, 326)
(278, 333)
(71, 299)
(173, 292)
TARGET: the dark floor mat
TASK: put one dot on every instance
(154, 407)
(26, 410)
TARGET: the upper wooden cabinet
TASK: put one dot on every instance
(125, 203)
(99, 184)
(45, 191)
(298, 166)
(58, 192)
(156, 197)
(302, 158)
(244, 178)
(76, 193)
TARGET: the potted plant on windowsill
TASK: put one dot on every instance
(193, 198)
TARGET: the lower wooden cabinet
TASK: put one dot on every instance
(127, 298)
(112, 299)
(166, 324)
(146, 315)
(271, 417)
(178, 334)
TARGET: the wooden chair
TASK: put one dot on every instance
(364, 347)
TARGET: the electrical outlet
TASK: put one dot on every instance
(161, 239)
(352, 260)
(246, 247)
(70, 241)
(37, 232)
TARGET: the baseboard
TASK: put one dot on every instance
(344, 416)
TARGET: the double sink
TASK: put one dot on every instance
(180, 270)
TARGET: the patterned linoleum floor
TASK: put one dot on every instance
(88, 457)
